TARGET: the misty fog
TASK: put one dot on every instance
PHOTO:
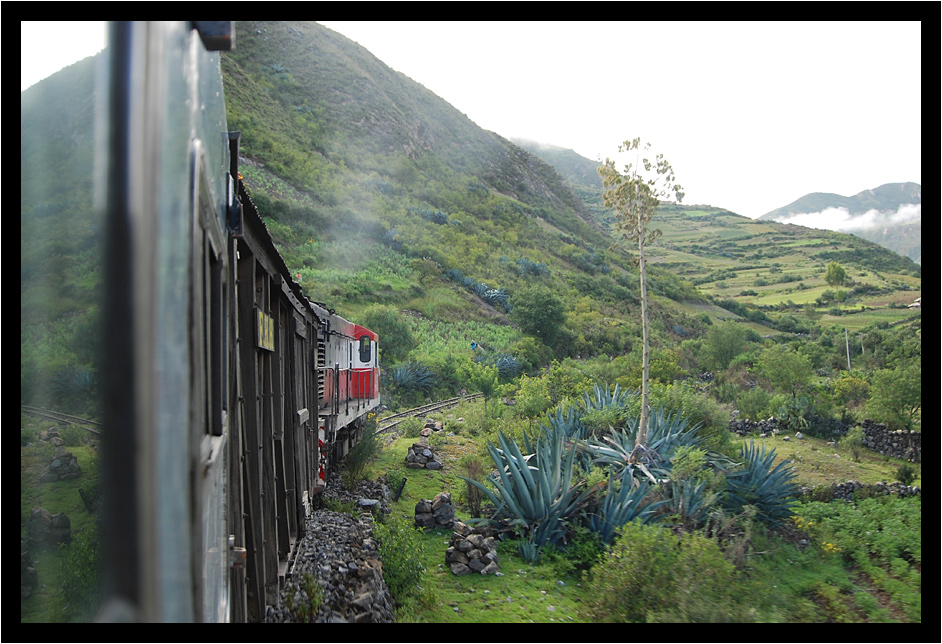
(841, 220)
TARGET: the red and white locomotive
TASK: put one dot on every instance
(349, 366)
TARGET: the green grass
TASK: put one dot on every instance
(816, 463)
(858, 321)
(524, 593)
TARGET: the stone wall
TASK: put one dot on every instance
(902, 444)
(847, 490)
(821, 426)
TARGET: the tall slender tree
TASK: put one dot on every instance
(635, 196)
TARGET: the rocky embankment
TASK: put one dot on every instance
(337, 576)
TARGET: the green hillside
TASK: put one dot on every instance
(378, 192)
(395, 208)
(772, 270)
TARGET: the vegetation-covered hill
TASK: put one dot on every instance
(391, 204)
(763, 265)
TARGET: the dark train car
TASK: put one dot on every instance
(227, 393)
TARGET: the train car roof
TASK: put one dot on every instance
(252, 220)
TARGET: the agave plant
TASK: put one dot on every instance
(527, 266)
(771, 490)
(413, 376)
(665, 434)
(622, 505)
(567, 424)
(73, 381)
(535, 491)
(435, 216)
(690, 501)
(603, 398)
(455, 275)
(389, 238)
(507, 366)
(496, 297)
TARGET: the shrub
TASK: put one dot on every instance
(852, 442)
(362, 454)
(396, 480)
(473, 468)
(699, 409)
(403, 551)
(538, 311)
(583, 550)
(304, 603)
(905, 474)
(410, 427)
(754, 404)
(395, 336)
(796, 414)
(650, 575)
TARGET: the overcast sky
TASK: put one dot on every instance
(752, 116)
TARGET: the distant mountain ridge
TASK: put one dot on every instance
(889, 215)
(578, 170)
(888, 197)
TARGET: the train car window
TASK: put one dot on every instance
(365, 348)
(209, 275)
(61, 321)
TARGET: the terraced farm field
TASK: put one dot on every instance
(779, 267)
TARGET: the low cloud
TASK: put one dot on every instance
(840, 219)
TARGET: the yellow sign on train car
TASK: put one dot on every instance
(266, 331)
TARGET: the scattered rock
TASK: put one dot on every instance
(435, 513)
(422, 456)
(45, 528)
(472, 550)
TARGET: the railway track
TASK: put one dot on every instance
(59, 417)
(391, 422)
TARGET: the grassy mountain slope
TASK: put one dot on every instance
(353, 147)
(59, 235)
(379, 192)
(764, 264)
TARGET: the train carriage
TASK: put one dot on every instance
(228, 394)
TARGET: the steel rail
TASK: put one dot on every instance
(418, 411)
(62, 418)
